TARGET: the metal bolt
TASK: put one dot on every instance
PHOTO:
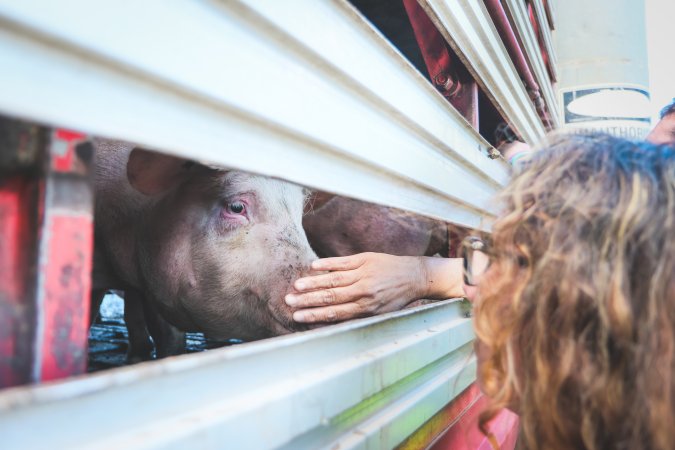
(444, 81)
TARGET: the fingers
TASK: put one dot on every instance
(326, 281)
(337, 313)
(340, 263)
(323, 297)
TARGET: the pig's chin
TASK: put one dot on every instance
(271, 318)
(279, 319)
(282, 317)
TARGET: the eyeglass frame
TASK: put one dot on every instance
(469, 245)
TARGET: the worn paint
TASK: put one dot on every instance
(370, 404)
(67, 267)
(21, 143)
(46, 246)
(17, 231)
(64, 157)
(64, 262)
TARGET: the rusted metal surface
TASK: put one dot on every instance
(46, 244)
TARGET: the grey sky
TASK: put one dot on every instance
(661, 52)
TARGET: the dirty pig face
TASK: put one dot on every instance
(230, 248)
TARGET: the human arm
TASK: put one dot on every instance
(366, 284)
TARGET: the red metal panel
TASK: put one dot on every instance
(46, 249)
(455, 427)
(463, 432)
(17, 240)
(64, 145)
(65, 262)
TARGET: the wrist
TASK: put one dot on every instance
(423, 279)
(443, 278)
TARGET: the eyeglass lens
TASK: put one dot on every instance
(477, 265)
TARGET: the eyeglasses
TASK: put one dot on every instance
(476, 256)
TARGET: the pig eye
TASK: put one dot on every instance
(236, 207)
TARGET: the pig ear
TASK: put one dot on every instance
(153, 173)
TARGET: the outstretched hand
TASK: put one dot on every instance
(371, 283)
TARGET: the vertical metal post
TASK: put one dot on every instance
(65, 259)
(46, 245)
(22, 147)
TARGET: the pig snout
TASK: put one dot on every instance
(280, 311)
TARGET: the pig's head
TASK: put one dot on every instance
(218, 250)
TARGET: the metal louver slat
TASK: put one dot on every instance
(364, 384)
(303, 90)
(325, 102)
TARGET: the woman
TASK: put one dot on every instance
(575, 312)
(575, 301)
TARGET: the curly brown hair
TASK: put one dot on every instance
(584, 345)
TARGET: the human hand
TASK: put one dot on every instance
(360, 285)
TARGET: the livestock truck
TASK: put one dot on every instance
(393, 102)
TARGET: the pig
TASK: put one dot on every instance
(340, 226)
(194, 248)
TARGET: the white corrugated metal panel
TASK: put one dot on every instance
(367, 384)
(545, 28)
(303, 90)
(468, 28)
(528, 38)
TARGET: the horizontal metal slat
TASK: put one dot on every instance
(467, 27)
(322, 100)
(523, 27)
(238, 84)
(367, 384)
